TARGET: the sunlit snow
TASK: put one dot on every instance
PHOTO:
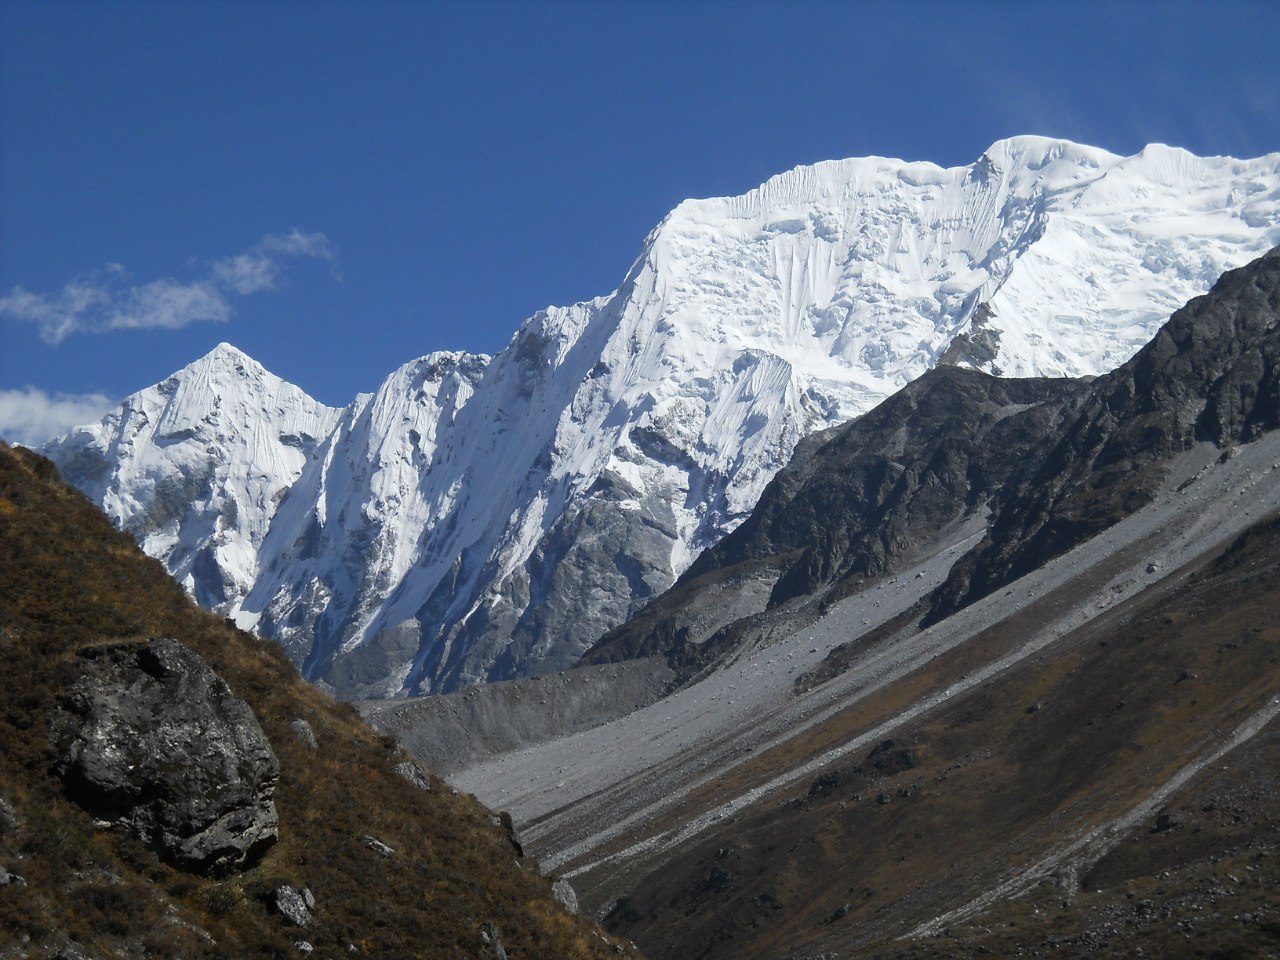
(744, 324)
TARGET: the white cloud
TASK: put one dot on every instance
(259, 268)
(31, 416)
(105, 299)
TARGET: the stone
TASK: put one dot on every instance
(10, 825)
(493, 942)
(377, 846)
(288, 901)
(304, 733)
(414, 774)
(151, 739)
(508, 826)
(563, 891)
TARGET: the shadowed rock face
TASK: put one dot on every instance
(152, 739)
(1211, 374)
(859, 500)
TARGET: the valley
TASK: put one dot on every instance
(476, 519)
(948, 768)
(919, 659)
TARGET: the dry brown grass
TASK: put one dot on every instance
(68, 580)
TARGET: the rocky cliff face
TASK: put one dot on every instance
(1209, 375)
(479, 519)
(152, 739)
(856, 502)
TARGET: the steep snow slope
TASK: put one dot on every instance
(493, 521)
(196, 467)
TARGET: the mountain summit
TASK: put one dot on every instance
(479, 519)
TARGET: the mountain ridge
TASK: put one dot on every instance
(625, 434)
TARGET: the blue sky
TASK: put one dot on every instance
(339, 187)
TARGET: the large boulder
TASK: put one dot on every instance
(152, 739)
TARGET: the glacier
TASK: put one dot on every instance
(480, 518)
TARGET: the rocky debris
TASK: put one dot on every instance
(492, 942)
(563, 891)
(293, 904)
(377, 846)
(305, 734)
(151, 739)
(7, 878)
(414, 774)
(447, 732)
(888, 758)
(717, 880)
(71, 950)
(304, 947)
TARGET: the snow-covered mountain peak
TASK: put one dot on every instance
(478, 518)
(196, 466)
(226, 354)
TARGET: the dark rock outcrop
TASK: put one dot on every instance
(508, 825)
(865, 496)
(152, 739)
(1212, 374)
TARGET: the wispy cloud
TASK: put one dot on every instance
(31, 416)
(107, 299)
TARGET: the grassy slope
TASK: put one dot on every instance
(69, 580)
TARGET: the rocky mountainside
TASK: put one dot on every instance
(1027, 706)
(1041, 465)
(481, 519)
(1209, 376)
(171, 787)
